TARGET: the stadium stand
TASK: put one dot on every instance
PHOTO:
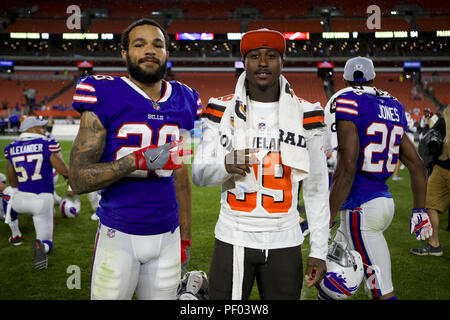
(434, 23)
(360, 25)
(43, 25)
(288, 25)
(216, 26)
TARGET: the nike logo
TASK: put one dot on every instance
(153, 159)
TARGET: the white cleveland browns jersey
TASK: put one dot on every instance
(267, 218)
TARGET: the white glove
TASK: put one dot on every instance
(420, 224)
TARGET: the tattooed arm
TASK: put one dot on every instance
(86, 173)
(183, 194)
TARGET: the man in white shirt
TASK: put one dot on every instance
(255, 146)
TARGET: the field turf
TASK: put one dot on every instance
(413, 277)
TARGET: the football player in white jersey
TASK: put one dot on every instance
(255, 146)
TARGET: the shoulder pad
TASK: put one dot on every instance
(215, 108)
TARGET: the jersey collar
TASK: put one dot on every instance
(30, 135)
(166, 87)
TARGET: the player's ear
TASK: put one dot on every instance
(167, 54)
(124, 54)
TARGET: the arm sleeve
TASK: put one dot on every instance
(208, 167)
(316, 198)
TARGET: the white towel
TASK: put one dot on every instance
(236, 123)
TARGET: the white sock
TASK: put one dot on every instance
(14, 226)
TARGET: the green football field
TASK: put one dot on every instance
(413, 277)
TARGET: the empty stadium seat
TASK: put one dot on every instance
(218, 26)
(287, 26)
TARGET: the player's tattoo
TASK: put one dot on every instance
(86, 174)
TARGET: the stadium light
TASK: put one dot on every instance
(443, 33)
(80, 36)
(391, 34)
(24, 35)
(234, 35)
(335, 35)
(107, 36)
(194, 36)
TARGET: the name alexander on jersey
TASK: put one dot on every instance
(31, 148)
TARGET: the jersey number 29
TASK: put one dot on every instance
(146, 135)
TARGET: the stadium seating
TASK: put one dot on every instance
(288, 25)
(12, 91)
(109, 26)
(217, 16)
(217, 26)
(441, 89)
(42, 25)
(359, 25)
(434, 23)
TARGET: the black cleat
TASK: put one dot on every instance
(40, 256)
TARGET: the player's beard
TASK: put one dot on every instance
(137, 73)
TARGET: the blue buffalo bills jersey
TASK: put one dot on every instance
(143, 203)
(30, 157)
(381, 122)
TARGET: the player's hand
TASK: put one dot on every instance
(240, 161)
(420, 224)
(160, 157)
(185, 254)
(315, 271)
(332, 224)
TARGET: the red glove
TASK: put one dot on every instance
(160, 157)
(185, 254)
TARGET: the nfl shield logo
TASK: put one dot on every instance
(111, 233)
(155, 105)
(261, 126)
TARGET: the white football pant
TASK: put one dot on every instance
(41, 207)
(364, 229)
(124, 264)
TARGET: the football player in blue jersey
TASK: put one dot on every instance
(31, 160)
(371, 126)
(127, 146)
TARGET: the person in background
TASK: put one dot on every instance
(438, 190)
(31, 159)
